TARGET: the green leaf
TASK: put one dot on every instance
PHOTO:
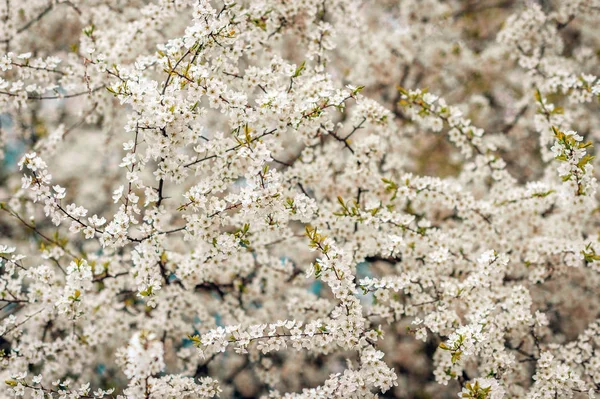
(299, 70)
(584, 161)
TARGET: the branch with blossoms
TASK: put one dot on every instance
(242, 199)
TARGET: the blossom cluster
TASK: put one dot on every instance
(299, 199)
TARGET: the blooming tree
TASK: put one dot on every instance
(299, 199)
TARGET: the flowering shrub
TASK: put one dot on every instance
(299, 199)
